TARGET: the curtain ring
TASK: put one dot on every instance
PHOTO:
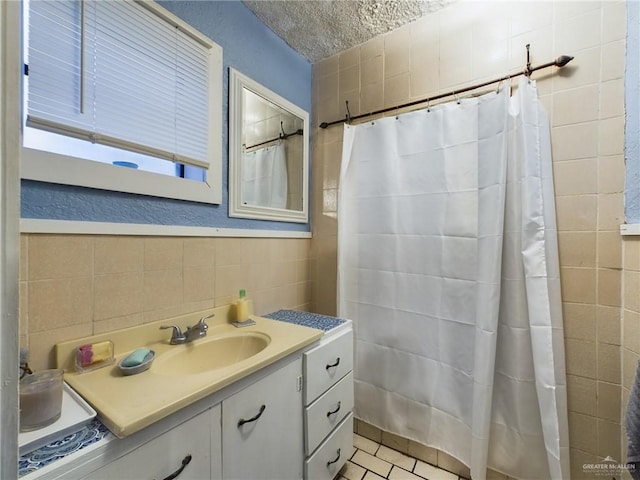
(457, 98)
(428, 105)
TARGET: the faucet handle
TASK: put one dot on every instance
(201, 323)
(176, 335)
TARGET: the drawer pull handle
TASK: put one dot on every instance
(334, 364)
(334, 411)
(185, 461)
(334, 460)
(242, 421)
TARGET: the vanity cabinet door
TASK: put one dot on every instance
(162, 456)
(262, 432)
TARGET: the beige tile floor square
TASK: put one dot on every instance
(373, 461)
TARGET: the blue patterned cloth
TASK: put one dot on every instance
(306, 319)
(93, 432)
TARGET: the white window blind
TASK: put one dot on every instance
(118, 74)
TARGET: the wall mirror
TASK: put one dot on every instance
(268, 153)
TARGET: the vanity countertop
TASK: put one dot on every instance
(126, 404)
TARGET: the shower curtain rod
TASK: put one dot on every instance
(559, 62)
(282, 136)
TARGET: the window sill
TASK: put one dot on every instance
(629, 229)
(53, 168)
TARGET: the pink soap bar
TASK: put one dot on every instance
(85, 355)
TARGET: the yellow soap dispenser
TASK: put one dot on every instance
(242, 311)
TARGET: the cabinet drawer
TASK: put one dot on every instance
(329, 458)
(327, 363)
(328, 411)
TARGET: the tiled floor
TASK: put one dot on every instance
(373, 461)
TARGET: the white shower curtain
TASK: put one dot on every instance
(448, 266)
(264, 177)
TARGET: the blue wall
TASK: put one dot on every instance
(249, 47)
(632, 123)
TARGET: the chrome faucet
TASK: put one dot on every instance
(199, 330)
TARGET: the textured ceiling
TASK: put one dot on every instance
(318, 29)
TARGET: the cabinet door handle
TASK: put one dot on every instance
(334, 411)
(334, 460)
(333, 364)
(242, 421)
(185, 462)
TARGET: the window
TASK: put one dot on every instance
(121, 84)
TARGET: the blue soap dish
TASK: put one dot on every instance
(141, 367)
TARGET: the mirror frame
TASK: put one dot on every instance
(237, 83)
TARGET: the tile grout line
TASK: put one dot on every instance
(412, 471)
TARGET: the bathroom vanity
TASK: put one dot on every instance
(288, 419)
